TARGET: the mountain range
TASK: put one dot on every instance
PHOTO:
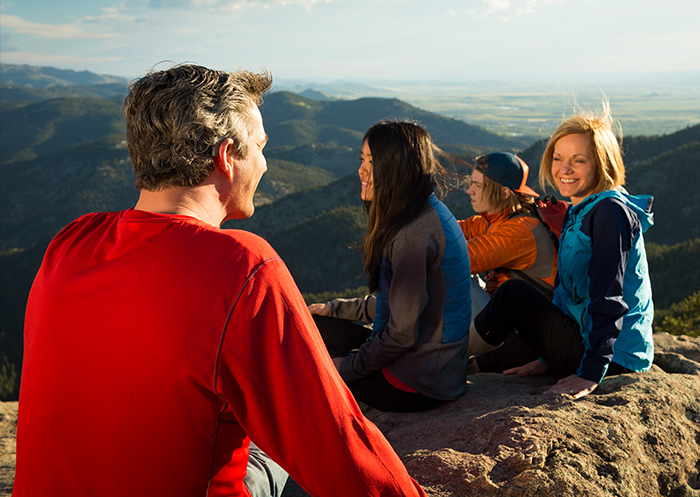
(64, 154)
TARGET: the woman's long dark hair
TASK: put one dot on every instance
(405, 173)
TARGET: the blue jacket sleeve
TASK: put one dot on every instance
(612, 228)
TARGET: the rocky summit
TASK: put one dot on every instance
(635, 435)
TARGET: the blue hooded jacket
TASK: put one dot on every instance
(603, 281)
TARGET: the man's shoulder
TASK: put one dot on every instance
(179, 234)
(223, 240)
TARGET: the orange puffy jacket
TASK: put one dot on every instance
(498, 243)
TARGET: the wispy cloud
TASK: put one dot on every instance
(511, 8)
(6, 44)
(304, 3)
(44, 59)
(231, 5)
(496, 6)
(76, 30)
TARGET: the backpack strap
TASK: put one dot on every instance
(542, 286)
(555, 212)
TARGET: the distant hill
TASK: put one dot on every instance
(71, 143)
(47, 77)
(11, 93)
(44, 127)
(345, 121)
(315, 95)
(668, 167)
(327, 134)
(40, 196)
(348, 90)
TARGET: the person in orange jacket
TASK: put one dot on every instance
(506, 238)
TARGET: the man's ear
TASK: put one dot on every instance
(506, 193)
(226, 157)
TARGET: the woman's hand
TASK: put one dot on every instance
(573, 385)
(320, 309)
(534, 368)
(337, 361)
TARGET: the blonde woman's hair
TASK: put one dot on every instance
(606, 149)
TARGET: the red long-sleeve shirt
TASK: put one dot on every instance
(157, 346)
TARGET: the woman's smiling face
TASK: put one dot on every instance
(574, 166)
(365, 173)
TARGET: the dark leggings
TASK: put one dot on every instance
(341, 338)
(543, 330)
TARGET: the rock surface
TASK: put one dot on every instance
(636, 435)
(8, 435)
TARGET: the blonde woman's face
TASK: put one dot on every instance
(574, 166)
(365, 173)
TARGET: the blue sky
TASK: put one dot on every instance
(365, 40)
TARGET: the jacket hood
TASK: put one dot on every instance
(639, 204)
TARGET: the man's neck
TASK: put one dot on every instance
(197, 202)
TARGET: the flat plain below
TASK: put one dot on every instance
(644, 105)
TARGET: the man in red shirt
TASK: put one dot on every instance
(158, 346)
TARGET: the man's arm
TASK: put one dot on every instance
(286, 394)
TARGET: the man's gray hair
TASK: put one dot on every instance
(175, 117)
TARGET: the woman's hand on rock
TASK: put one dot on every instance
(320, 309)
(534, 368)
(574, 386)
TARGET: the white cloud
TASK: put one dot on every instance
(230, 5)
(59, 60)
(6, 44)
(242, 5)
(510, 8)
(50, 31)
(532, 6)
(496, 6)
(307, 4)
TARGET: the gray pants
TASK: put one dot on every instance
(264, 477)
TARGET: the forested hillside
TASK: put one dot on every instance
(63, 157)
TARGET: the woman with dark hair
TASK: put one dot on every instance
(414, 357)
(599, 320)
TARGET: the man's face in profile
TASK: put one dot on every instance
(248, 171)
